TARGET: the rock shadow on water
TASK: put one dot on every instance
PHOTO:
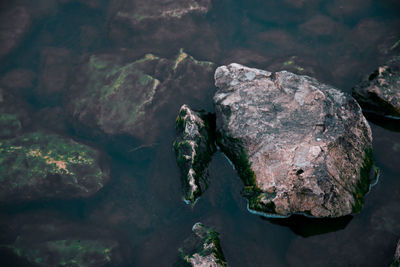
(307, 226)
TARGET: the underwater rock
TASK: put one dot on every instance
(18, 80)
(115, 98)
(380, 92)
(40, 165)
(396, 259)
(55, 69)
(193, 147)
(66, 252)
(320, 26)
(202, 248)
(13, 115)
(14, 25)
(299, 146)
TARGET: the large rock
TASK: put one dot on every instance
(380, 92)
(299, 146)
(38, 165)
(193, 147)
(115, 98)
(14, 25)
(202, 248)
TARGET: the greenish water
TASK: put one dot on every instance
(141, 207)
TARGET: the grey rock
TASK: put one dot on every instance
(202, 248)
(193, 147)
(299, 146)
(380, 92)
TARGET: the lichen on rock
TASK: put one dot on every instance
(380, 92)
(40, 165)
(202, 248)
(193, 147)
(300, 146)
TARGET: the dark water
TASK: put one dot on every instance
(142, 207)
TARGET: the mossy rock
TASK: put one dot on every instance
(68, 252)
(40, 165)
(202, 248)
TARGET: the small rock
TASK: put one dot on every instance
(193, 147)
(380, 92)
(39, 165)
(299, 146)
(202, 248)
(18, 79)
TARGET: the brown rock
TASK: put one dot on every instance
(300, 146)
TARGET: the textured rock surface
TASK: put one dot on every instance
(39, 165)
(193, 147)
(117, 98)
(14, 25)
(299, 146)
(202, 249)
(381, 91)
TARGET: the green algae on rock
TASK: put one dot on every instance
(10, 125)
(193, 147)
(40, 165)
(114, 98)
(202, 248)
(68, 252)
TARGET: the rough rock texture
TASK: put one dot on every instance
(39, 165)
(381, 91)
(299, 146)
(14, 25)
(116, 98)
(202, 248)
(193, 147)
(396, 259)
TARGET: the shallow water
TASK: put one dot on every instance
(142, 208)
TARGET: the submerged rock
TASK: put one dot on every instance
(39, 165)
(67, 252)
(396, 259)
(115, 98)
(202, 248)
(14, 25)
(193, 147)
(380, 93)
(298, 145)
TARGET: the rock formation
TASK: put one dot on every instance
(202, 249)
(39, 165)
(193, 147)
(380, 93)
(299, 146)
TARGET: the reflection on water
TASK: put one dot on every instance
(336, 41)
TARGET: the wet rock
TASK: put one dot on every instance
(14, 115)
(299, 146)
(39, 165)
(320, 26)
(380, 92)
(154, 23)
(115, 98)
(55, 69)
(396, 259)
(202, 248)
(14, 25)
(67, 252)
(193, 147)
